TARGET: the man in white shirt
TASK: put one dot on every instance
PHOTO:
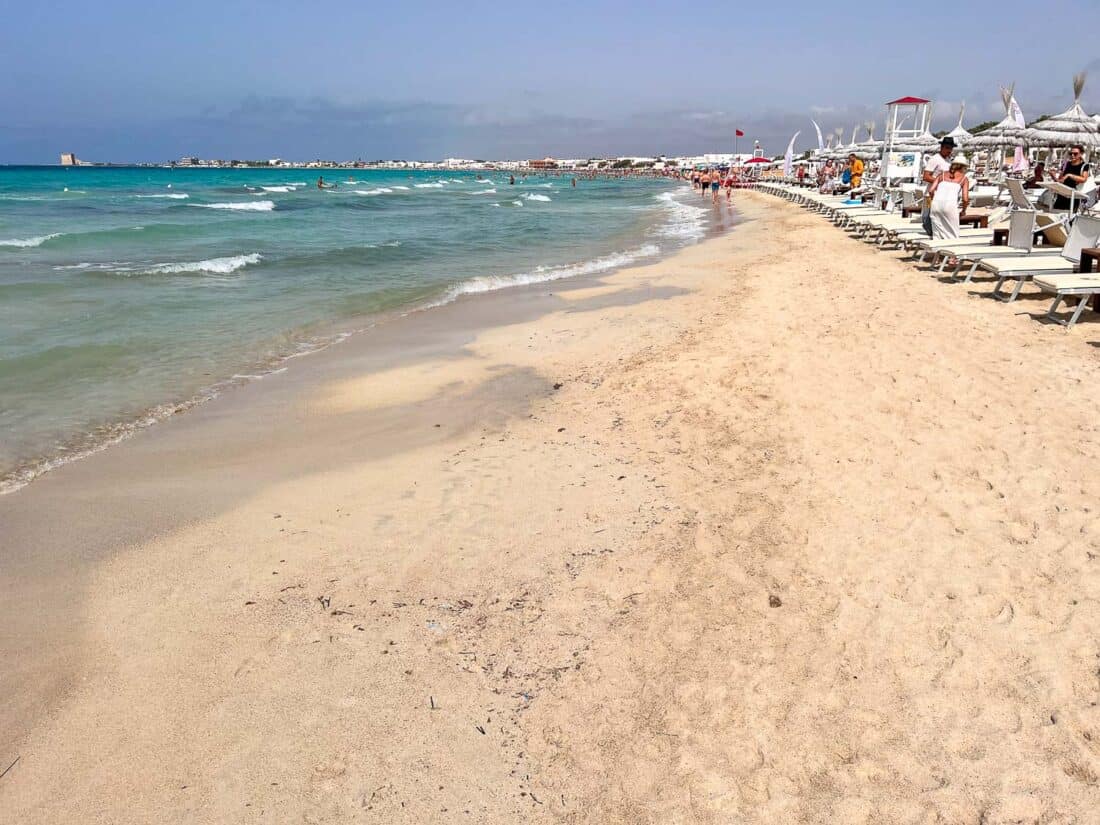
(935, 166)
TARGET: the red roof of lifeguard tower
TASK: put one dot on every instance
(908, 100)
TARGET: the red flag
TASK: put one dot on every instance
(739, 133)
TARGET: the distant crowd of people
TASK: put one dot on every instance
(711, 182)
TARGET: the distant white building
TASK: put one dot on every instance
(69, 159)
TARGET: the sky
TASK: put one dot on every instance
(120, 81)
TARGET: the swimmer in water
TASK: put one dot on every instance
(511, 180)
(320, 183)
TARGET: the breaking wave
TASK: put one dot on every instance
(211, 266)
(541, 274)
(24, 243)
(245, 206)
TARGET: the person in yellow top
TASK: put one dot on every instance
(855, 169)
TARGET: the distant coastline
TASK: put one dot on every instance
(614, 165)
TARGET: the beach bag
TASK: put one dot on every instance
(847, 176)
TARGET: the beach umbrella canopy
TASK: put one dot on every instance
(869, 149)
(1009, 132)
(927, 142)
(757, 160)
(960, 134)
(1005, 133)
(1071, 127)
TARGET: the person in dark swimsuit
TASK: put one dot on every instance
(1037, 176)
(1073, 175)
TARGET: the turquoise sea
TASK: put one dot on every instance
(129, 293)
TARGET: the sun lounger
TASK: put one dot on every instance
(1084, 233)
(1082, 287)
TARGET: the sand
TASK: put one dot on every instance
(780, 529)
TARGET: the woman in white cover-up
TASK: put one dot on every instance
(946, 191)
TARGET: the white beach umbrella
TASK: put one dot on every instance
(1071, 127)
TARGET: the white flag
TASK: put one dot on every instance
(788, 158)
(820, 142)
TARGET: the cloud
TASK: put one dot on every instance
(307, 128)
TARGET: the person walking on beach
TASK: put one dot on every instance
(715, 185)
(935, 166)
(946, 191)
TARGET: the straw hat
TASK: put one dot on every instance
(960, 160)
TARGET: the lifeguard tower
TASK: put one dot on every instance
(908, 119)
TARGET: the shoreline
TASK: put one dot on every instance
(769, 530)
(392, 339)
(320, 337)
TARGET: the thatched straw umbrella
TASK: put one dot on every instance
(1069, 128)
(1005, 133)
(836, 149)
(869, 149)
(960, 134)
(924, 144)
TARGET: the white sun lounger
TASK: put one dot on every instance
(1082, 287)
(1084, 233)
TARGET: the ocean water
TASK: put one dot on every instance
(128, 294)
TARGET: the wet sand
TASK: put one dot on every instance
(779, 529)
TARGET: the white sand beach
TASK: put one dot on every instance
(777, 530)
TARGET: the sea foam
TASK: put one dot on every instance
(541, 274)
(215, 266)
(246, 206)
(28, 242)
(683, 221)
(533, 197)
(212, 266)
(179, 196)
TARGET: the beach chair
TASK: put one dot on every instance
(1020, 243)
(1082, 287)
(1084, 233)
